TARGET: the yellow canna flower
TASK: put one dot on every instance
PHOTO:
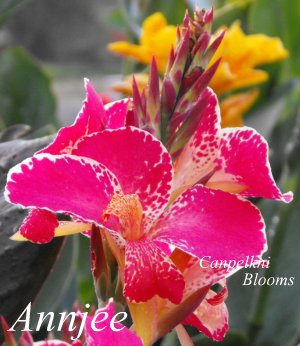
(156, 39)
(240, 54)
(234, 107)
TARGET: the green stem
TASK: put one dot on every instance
(261, 303)
(224, 10)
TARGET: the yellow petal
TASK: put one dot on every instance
(69, 227)
(156, 39)
(240, 55)
(236, 79)
(134, 51)
(65, 228)
(144, 317)
(154, 23)
(125, 86)
(227, 186)
(18, 237)
(234, 107)
(266, 50)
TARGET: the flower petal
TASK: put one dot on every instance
(141, 163)
(148, 271)
(39, 226)
(107, 336)
(204, 222)
(90, 119)
(62, 183)
(211, 320)
(201, 274)
(247, 171)
(197, 157)
(116, 113)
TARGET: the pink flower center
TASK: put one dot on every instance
(129, 211)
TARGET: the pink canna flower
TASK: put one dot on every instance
(121, 179)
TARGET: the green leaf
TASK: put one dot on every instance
(281, 140)
(276, 317)
(276, 320)
(23, 266)
(231, 11)
(57, 291)
(25, 94)
(173, 10)
(265, 118)
(8, 5)
(116, 19)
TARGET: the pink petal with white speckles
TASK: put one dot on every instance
(39, 226)
(242, 165)
(62, 183)
(197, 157)
(148, 271)
(107, 336)
(200, 274)
(140, 162)
(205, 222)
(211, 320)
(116, 113)
(90, 119)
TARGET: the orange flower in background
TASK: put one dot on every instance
(233, 107)
(240, 54)
(125, 86)
(157, 38)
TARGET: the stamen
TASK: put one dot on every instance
(129, 211)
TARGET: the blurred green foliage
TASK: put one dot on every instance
(25, 94)
(6, 7)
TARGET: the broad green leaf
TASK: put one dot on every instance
(265, 117)
(25, 94)
(57, 293)
(272, 310)
(23, 266)
(6, 7)
(231, 11)
(116, 19)
(277, 318)
(173, 10)
(281, 140)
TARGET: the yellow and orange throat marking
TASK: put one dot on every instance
(129, 211)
